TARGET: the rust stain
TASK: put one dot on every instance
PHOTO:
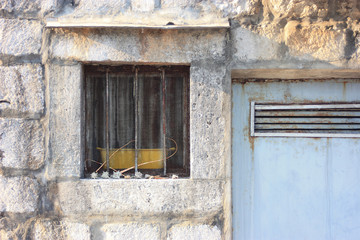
(251, 141)
(344, 90)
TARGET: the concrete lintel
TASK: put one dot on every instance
(102, 24)
(294, 73)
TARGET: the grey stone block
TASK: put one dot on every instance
(49, 6)
(194, 232)
(21, 144)
(20, 37)
(145, 197)
(142, 5)
(65, 121)
(63, 229)
(23, 87)
(18, 194)
(251, 46)
(233, 8)
(178, 3)
(131, 231)
(99, 8)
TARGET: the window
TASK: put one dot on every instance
(134, 117)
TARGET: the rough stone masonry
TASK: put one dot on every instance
(42, 191)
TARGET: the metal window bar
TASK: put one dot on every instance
(305, 120)
(136, 96)
(163, 119)
(107, 121)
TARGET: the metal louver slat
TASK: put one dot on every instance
(305, 120)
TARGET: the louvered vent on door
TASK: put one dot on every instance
(305, 120)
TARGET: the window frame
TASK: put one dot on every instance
(181, 70)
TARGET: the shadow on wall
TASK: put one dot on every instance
(305, 34)
(297, 45)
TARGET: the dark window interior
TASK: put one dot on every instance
(145, 113)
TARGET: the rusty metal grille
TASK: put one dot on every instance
(135, 117)
(305, 120)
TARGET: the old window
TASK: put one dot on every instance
(136, 119)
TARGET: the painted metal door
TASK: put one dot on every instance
(294, 187)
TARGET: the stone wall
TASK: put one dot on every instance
(43, 194)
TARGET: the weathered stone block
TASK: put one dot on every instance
(298, 9)
(99, 8)
(178, 3)
(29, 31)
(251, 46)
(131, 231)
(20, 7)
(140, 197)
(18, 194)
(194, 232)
(207, 121)
(232, 8)
(315, 41)
(347, 8)
(138, 45)
(183, 46)
(51, 6)
(63, 229)
(23, 87)
(21, 144)
(355, 58)
(65, 121)
(29, 8)
(142, 5)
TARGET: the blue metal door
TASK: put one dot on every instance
(295, 187)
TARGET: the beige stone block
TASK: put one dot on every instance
(63, 229)
(194, 232)
(140, 197)
(131, 231)
(20, 37)
(23, 87)
(18, 194)
(347, 8)
(298, 9)
(21, 144)
(315, 41)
